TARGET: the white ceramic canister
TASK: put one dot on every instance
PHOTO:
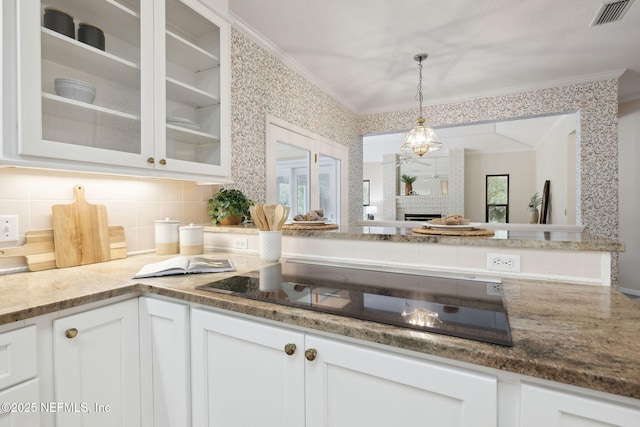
(167, 237)
(270, 245)
(191, 239)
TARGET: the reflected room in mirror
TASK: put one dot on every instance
(452, 180)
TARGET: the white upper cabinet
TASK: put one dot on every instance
(161, 96)
(192, 41)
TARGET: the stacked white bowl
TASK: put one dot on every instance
(75, 89)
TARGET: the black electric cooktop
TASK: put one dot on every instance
(459, 307)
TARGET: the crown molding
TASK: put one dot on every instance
(586, 78)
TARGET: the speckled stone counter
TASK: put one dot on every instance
(575, 334)
(559, 240)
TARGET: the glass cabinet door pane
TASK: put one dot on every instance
(91, 91)
(192, 86)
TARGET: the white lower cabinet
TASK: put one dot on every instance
(97, 367)
(243, 375)
(19, 391)
(24, 409)
(165, 368)
(543, 406)
(155, 362)
(349, 385)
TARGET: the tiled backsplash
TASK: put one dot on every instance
(133, 203)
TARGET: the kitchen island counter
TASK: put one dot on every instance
(557, 256)
(574, 334)
(512, 238)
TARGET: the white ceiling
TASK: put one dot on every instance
(361, 51)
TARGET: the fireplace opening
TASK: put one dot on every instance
(421, 217)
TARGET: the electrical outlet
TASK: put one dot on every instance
(240, 243)
(494, 289)
(503, 262)
(8, 228)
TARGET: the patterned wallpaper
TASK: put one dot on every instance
(262, 84)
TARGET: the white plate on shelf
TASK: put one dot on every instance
(192, 126)
(461, 227)
(308, 222)
(183, 122)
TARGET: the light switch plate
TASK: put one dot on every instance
(8, 228)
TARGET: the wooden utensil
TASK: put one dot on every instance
(284, 216)
(278, 213)
(80, 232)
(39, 249)
(259, 218)
(268, 214)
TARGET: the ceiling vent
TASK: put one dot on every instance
(611, 11)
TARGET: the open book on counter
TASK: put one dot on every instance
(184, 265)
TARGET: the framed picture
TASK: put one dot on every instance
(366, 192)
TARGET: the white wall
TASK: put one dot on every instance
(133, 203)
(373, 172)
(552, 163)
(522, 183)
(629, 196)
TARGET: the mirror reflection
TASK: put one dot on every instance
(531, 151)
(431, 175)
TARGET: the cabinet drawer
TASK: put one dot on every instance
(17, 356)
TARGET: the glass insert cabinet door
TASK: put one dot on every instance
(307, 177)
(153, 96)
(81, 100)
(193, 93)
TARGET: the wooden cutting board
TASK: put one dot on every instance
(38, 250)
(80, 232)
(40, 253)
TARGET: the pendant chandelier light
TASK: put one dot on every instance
(420, 139)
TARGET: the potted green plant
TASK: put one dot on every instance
(229, 207)
(408, 181)
(534, 202)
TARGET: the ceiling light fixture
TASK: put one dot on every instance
(420, 139)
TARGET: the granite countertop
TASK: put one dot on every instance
(526, 238)
(575, 334)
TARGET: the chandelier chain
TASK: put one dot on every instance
(419, 94)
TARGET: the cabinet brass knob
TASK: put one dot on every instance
(163, 162)
(290, 349)
(151, 160)
(311, 354)
(71, 333)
